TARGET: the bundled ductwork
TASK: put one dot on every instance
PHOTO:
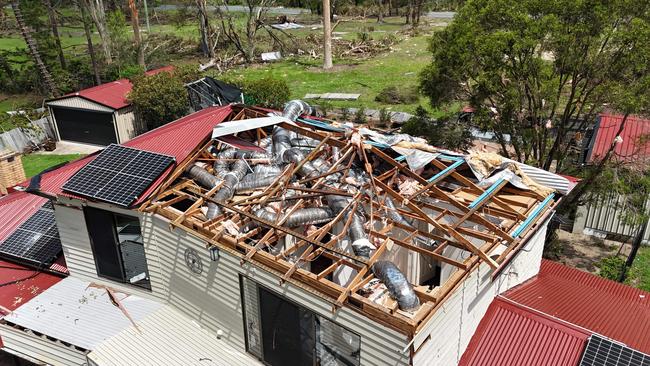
(360, 243)
(256, 180)
(230, 181)
(202, 177)
(304, 216)
(223, 162)
(397, 284)
(285, 153)
(304, 142)
(267, 169)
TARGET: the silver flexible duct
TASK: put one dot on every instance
(202, 177)
(304, 216)
(360, 243)
(243, 154)
(295, 108)
(230, 180)
(255, 180)
(285, 153)
(304, 142)
(221, 166)
(267, 169)
(397, 285)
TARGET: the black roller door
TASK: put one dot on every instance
(85, 126)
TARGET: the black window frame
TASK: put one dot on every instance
(315, 315)
(101, 245)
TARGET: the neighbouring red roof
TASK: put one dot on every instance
(16, 208)
(605, 307)
(630, 148)
(21, 284)
(512, 335)
(113, 94)
(177, 139)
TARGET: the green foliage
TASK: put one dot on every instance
(639, 273)
(159, 98)
(394, 95)
(611, 267)
(345, 114)
(360, 116)
(325, 107)
(36, 163)
(521, 64)
(449, 132)
(267, 92)
(384, 117)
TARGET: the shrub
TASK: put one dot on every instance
(449, 133)
(360, 116)
(611, 267)
(345, 114)
(393, 95)
(268, 92)
(159, 98)
(384, 117)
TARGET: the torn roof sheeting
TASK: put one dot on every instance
(349, 212)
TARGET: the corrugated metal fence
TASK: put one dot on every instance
(21, 139)
(604, 216)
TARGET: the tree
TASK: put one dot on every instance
(207, 45)
(245, 40)
(137, 39)
(327, 36)
(55, 31)
(159, 98)
(535, 70)
(98, 14)
(447, 132)
(34, 49)
(89, 41)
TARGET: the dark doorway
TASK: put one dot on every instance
(286, 332)
(85, 126)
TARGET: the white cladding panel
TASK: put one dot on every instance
(454, 324)
(25, 342)
(77, 102)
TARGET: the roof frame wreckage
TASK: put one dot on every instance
(331, 210)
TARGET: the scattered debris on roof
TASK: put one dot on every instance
(358, 216)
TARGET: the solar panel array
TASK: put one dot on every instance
(36, 241)
(603, 352)
(118, 175)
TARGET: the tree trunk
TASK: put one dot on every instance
(327, 36)
(137, 40)
(55, 31)
(89, 42)
(380, 11)
(98, 14)
(33, 50)
(204, 27)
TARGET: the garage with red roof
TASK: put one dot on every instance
(99, 115)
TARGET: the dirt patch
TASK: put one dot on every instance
(334, 69)
(583, 252)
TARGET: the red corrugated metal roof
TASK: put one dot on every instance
(630, 148)
(512, 335)
(113, 94)
(19, 284)
(177, 139)
(15, 208)
(606, 307)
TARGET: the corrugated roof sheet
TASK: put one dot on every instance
(515, 336)
(21, 284)
(630, 148)
(167, 337)
(15, 209)
(178, 139)
(606, 307)
(75, 313)
(112, 94)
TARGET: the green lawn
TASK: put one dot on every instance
(639, 275)
(36, 163)
(399, 67)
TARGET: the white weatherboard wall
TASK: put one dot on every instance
(25, 343)
(213, 298)
(128, 125)
(446, 336)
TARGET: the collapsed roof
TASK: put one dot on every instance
(363, 218)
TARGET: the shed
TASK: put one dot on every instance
(100, 115)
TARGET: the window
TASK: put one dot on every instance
(280, 332)
(117, 246)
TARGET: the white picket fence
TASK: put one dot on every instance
(22, 139)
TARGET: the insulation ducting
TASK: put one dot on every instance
(397, 284)
(230, 181)
(255, 180)
(295, 108)
(360, 243)
(304, 216)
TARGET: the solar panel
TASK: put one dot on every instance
(603, 352)
(36, 240)
(118, 175)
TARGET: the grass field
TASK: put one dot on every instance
(36, 163)
(639, 275)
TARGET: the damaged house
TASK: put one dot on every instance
(239, 235)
